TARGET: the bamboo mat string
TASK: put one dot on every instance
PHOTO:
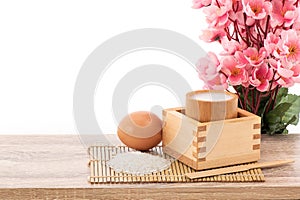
(100, 173)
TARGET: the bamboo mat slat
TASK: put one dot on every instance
(100, 173)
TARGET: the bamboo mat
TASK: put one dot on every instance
(101, 173)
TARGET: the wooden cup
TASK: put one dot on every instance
(211, 105)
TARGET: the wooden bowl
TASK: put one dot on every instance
(211, 105)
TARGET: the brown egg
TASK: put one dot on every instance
(140, 130)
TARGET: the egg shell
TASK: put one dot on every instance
(140, 130)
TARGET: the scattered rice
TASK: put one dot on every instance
(138, 163)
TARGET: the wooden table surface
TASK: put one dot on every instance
(55, 167)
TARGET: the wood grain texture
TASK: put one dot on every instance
(237, 168)
(55, 167)
(222, 145)
(206, 111)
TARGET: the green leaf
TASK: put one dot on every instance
(286, 112)
(282, 92)
(272, 118)
(294, 109)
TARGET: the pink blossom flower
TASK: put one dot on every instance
(216, 16)
(261, 77)
(284, 82)
(227, 3)
(254, 57)
(273, 63)
(260, 39)
(241, 58)
(296, 69)
(218, 83)
(235, 73)
(287, 69)
(257, 9)
(296, 79)
(283, 14)
(212, 35)
(291, 45)
(200, 3)
(296, 24)
(240, 19)
(287, 72)
(232, 46)
(284, 72)
(207, 67)
(208, 71)
(271, 44)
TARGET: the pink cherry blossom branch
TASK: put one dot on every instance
(262, 50)
(247, 29)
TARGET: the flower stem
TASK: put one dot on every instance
(267, 26)
(258, 97)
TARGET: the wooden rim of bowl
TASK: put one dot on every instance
(190, 94)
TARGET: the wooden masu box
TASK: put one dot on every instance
(211, 144)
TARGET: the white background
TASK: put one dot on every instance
(44, 43)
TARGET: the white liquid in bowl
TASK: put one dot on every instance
(212, 97)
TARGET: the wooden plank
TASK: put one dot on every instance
(165, 193)
(208, 164)
(55, 167)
